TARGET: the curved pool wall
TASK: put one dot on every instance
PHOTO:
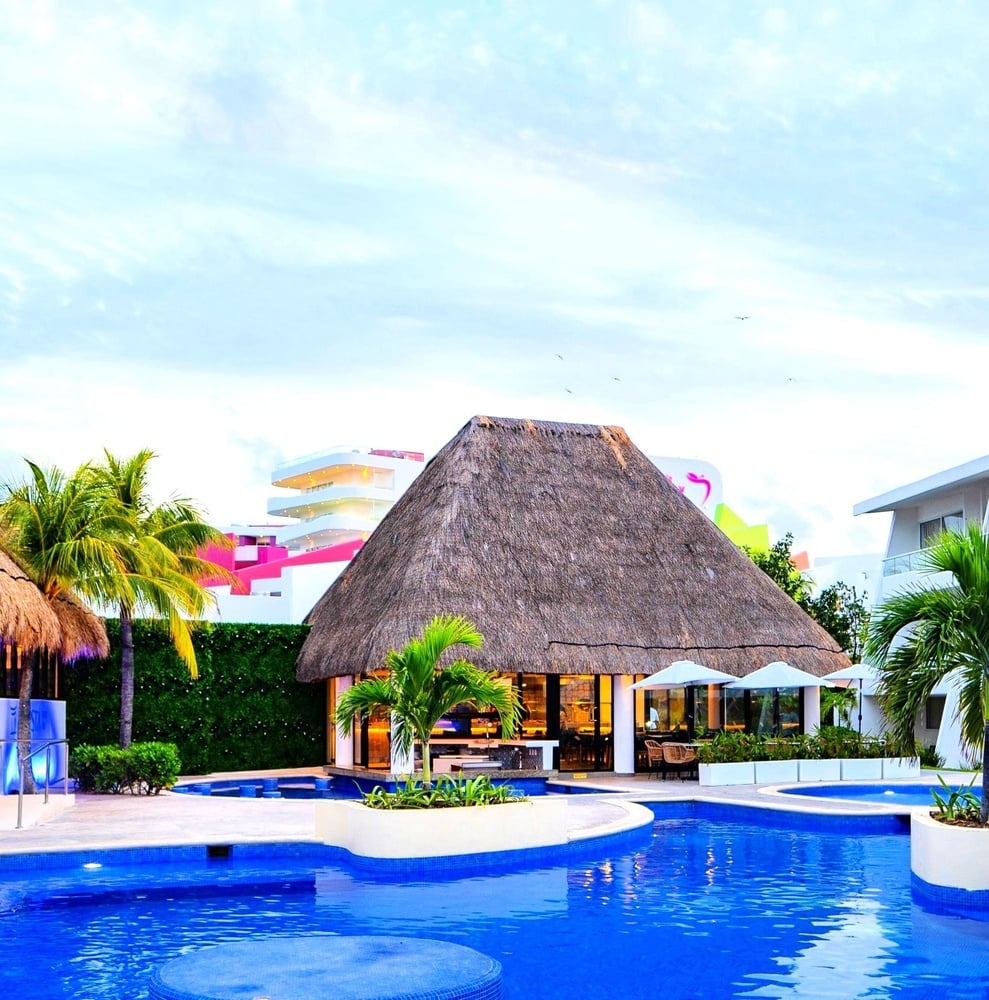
(714, 901)
(900, 794)
(343, 787)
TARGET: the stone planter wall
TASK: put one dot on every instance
(950, 864)
(901, 767)
(776, 772)
(861, 769)
(819, 770)
(740, 773)
(433, 833)
(786, 771)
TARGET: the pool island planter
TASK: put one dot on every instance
(949, 864)
(763, 772)
(434, 833)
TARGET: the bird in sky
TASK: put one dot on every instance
(741, 317)
(560, 356)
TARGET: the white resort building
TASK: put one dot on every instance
(337, 497)
(921, 511)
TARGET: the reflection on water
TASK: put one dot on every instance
(706, 909)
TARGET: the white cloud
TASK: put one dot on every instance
(650, 26)
(421, 213)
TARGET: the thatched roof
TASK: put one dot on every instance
(26, 618)
(83, 632)
(571, 553)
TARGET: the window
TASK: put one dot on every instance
(931, 530)
(934, 712)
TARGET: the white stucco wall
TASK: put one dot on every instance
(430, 833)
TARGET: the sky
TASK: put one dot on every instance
(749, 233)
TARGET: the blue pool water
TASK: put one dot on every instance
(338, 787)
(895, 795)
(711, 902)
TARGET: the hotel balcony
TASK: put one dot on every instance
(331, 529)
(346, 466)
(365, 501)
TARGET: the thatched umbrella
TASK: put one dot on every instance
(572, 553)
(83, 632)
(27, 620)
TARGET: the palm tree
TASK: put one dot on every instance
(418, 692)
(158, 554)
(64, 537)
(942, 630)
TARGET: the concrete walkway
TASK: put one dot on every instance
(116, 821)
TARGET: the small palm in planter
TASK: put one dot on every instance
(418, 692)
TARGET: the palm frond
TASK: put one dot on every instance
(921, 635)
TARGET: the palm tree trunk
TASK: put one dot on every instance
(126, 677)
(24, 723)
(985, 773)
(425, 762)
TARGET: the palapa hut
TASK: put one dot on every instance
(37, 636)
(61, 630)
(583, 568)
(83, 631)
(27, 621)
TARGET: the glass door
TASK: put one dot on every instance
(585, 723)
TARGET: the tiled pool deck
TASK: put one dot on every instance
(121, 821)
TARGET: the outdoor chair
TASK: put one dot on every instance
(655, 762)
(680, 759)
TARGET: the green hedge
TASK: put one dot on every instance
(245, 712)
(826, 743)
(143, 768)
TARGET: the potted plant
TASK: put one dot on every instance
(417, 820)
(417, 692)
(948, 847)
(777, 760)
(727, 760)
(815, 763)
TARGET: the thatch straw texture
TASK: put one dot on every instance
(26, 618)
(571, 552)
(83, 632)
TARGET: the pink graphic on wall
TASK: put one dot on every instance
(698, 481)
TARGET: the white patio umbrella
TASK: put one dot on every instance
(856, 672)
(684, 673)
(778, 675)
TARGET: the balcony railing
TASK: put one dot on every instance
(906, 562)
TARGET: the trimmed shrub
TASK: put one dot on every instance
(826, 743)
(152, 767)
(929, 757)
(143, 769)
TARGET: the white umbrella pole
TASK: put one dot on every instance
(860, 706)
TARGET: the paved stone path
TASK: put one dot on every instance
(109, 821)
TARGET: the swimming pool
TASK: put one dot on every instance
(335, 787)
(911, 795)
(713, 901)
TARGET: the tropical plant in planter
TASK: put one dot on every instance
(448, 792)
(418, 692)
(942, 629)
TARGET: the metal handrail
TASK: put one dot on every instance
(21, 761)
